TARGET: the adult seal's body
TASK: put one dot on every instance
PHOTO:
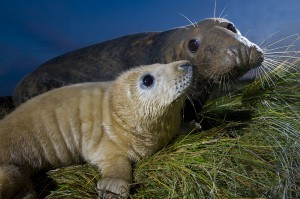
(109, 125)
(214, 45)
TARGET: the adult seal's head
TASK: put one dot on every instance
(219, 51)
(214, 46)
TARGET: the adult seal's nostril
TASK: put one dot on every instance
(260, 55)
(256, 56)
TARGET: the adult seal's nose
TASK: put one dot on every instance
(256, 56)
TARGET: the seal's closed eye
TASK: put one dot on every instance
(193, 45)
(232, 28)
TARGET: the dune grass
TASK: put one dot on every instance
(250, 148)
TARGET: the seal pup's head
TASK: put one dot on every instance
(146, 103)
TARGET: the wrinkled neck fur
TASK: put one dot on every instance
(144, 136)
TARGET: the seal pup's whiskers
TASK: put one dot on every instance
(192, 99)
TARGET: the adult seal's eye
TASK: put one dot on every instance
(147, 81)
(231, 27)
(193, 45)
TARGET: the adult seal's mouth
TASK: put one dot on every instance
(256, 56)
(244, 59)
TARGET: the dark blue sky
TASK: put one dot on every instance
(34, 31)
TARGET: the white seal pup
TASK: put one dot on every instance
(107, 124)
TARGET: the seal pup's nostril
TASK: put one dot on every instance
(186, 66)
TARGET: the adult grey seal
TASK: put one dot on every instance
(107, 124)
(214, 45)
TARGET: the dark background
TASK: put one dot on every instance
(34, 31)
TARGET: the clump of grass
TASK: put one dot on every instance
(260, 159)
(253, 156)
(250, 148)
(75, 182)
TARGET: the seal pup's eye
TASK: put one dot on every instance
(193, 45)
(231, 27)
(147, 81)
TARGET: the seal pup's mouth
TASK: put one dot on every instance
(184, 82)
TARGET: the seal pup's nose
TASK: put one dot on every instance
(186, 66)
